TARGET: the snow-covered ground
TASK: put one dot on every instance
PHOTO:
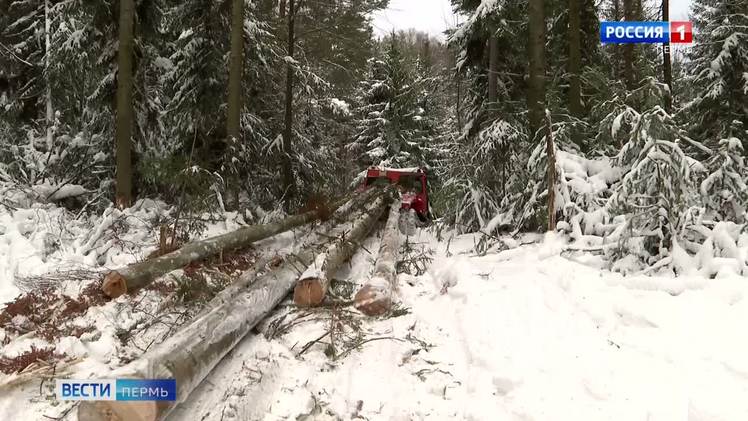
(533, 332)
(59, 255)
(525, 334)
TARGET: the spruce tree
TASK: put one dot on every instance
(660, 174)
(394, 129)
(724, 190)
(717, 70)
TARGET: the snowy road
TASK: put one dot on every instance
(524, 334)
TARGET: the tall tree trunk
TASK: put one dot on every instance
(235, 69)
(458, 90)
(426, 57)
(124, 104)
(288, 180)
(617, 48)
(493, 75)
(628, 49)
(667, 69)
(47, 47)
(550, 150)
(575, 59)
(458, 107)
(536, 49)
(282, 9)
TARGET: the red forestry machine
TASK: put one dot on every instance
(412, 183)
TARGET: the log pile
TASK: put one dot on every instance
(314, 282)
(190, 354)
(263, 264)
(140, 274)
(375, 297)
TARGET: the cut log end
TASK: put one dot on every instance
(308, 292)
(114, 285)
(372, 301)
(120, 411)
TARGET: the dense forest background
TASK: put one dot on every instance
(266, 105)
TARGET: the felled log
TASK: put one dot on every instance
(269, 262)
(314, 282)
(140, 274)
(190, 354)
(375, 297)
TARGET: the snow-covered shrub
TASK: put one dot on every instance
(478, 178)
(658, 187)
(713, 250)
(724, 190)
(582, 184)
(44, 170)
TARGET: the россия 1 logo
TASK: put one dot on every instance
(646, 32)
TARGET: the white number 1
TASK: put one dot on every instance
(682, 30)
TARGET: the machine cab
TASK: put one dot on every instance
(412, 183)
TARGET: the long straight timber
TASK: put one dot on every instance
(375, 297)
(190, 354)
(140, 274)
(314, 282)
(327, 229)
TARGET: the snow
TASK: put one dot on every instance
(484, 9)
(340, 107)
(185, 34)
(616, 127)
(527, 332)
(496, 221)
(86, 244)
(55, 193)
(68, 190)
(290, 60)
(316, 269)
(99, 157)
(164, 64)
(408, 169)
(524, 334)
(26, 239)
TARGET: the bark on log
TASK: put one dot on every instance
(313, 283)
(140, 274)
(250, 276)
(375, 297)
(190, 354)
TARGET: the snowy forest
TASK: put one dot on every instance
(135, 130)
(278, 110)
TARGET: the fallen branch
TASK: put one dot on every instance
(312, 342)
(366, 341)
(36, 371)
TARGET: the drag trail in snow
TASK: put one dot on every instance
(523, 334)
